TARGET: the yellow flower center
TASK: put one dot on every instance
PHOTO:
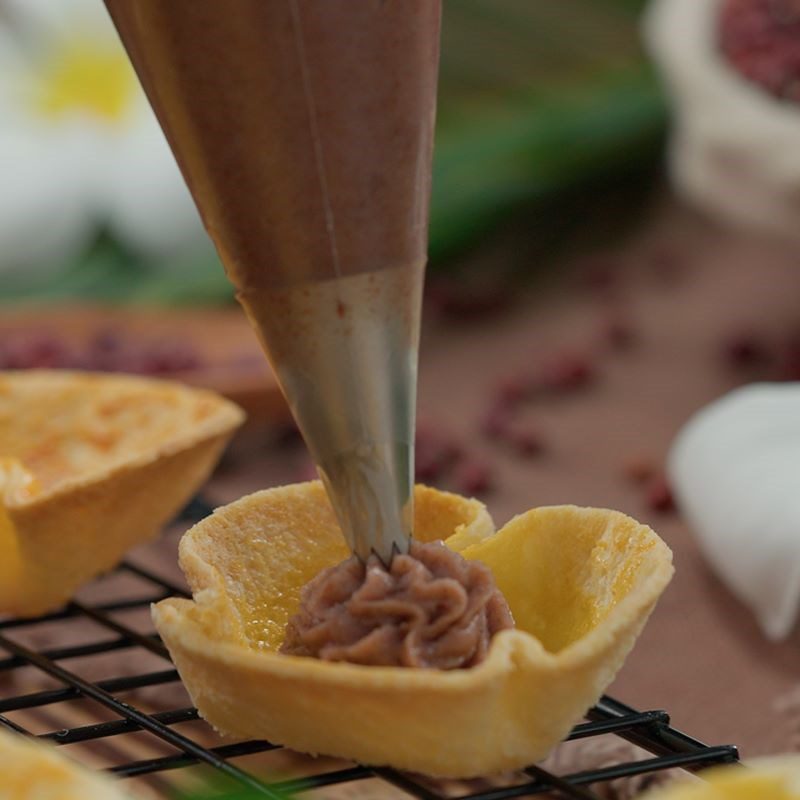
(85, 75)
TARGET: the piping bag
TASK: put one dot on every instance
(304, 130)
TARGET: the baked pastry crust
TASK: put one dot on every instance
(91, 465)
(580, 583)
(30, 769)
(763, 778)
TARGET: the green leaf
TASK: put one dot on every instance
(535, 97)
(224, 789)
(549, 146)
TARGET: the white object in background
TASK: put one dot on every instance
(79, 145)
(735, 471)
(734, 147)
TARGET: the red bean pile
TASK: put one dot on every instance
(761, 39)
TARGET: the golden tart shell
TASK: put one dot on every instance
(31, 769)
(580, 582)
(91, 465)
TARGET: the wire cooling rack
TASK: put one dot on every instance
(119, 707)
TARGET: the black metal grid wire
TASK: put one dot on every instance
(649, 730)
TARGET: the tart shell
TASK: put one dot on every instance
(580, 582)
(32, 770)
(91, 466)
(774, 777)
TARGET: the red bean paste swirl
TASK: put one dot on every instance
(431, 608)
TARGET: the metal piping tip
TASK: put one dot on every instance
(373, 502)
(395, 551)
(349, 372)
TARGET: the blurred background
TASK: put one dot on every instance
(535, 101)
(613, 246)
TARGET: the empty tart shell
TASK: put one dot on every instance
(91, 465)
(31, 770)
(580, 582)
(763, 778)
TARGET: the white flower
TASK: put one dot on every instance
(735, 470)
(79, 145)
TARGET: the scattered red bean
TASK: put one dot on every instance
(566, 372)
(745, 350)
(496, 422)
(526, 442)
(600, 276)
(427, 464)
(659, 495)
(618, 332)
(788, 366)
(514, 389)
(666, 264)
(168, 357)
(106, 340)
(435, 453)
(427, 467)
(452, 452)
(286, 433)
(789, 369)
(473, 477)
(455, 300)
(639, 469)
